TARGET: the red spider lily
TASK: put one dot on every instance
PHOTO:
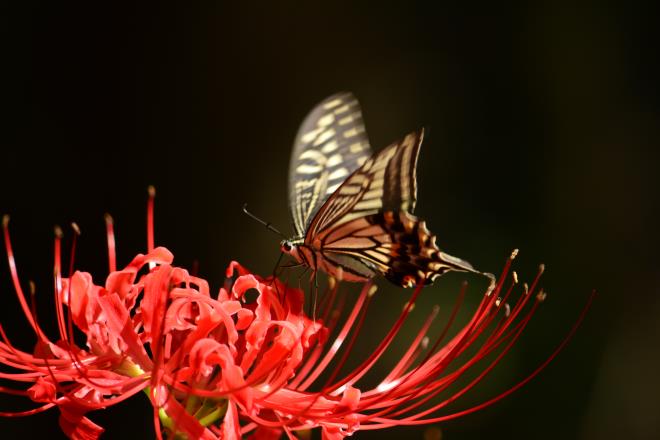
(226, 366)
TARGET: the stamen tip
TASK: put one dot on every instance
(491, 286)
(108, 219)
(541, 295)
(425, 342)
(332, 282)
(432, 433)
(541, 268)
(408, 305)
(436, 308)
(507, 310)
(525, 288)
(151, 190)
(58, 231)
(75, 228)
(514, 254)
(372, 290)
(5, 220)
(33, 287)
(515, 277)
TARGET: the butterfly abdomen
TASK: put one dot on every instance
(414, 255)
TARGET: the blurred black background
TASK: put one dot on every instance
(543, 131)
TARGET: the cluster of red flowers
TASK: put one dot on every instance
(226, 366)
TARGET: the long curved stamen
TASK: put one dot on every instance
(110, 238)
(57, 275)
(15, 280)
(151, 191)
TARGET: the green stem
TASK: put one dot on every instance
(209, 412)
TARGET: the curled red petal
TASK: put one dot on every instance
(244, 283)
(120, 325)
(43, 390)
(231, 428)
(332, 433)
(81, 295)
(202, 356)
(245, 318)
(75, 425)
(235, 266)
(350, 398)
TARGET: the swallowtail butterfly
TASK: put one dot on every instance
(352, 209)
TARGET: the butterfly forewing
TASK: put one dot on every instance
(386, 181)
(330, 145)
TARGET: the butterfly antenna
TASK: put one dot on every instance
(268, 226)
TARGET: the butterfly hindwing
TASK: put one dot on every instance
(395, 244)
(330, 145)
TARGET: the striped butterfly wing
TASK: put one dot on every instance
(367, 227)
(395, 244)
(330, 145)
(386, 181)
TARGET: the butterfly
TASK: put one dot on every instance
(353, 209)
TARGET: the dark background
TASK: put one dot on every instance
(543, 131)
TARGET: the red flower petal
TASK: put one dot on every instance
(230, 426)
(244, 283)
(75, 425)
(234, 266)
(245, 318)
(42, 391)
(264, 433)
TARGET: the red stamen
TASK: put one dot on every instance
(17, 285)
(362, 369)
(386, 395)
(520, 384)
(339, 340)
(76, 234)
(57, 274)
(349, 347)
(29, 412)
(110, 238)
(408, 357)
(151, 190)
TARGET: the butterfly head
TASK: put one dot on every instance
(290, 248)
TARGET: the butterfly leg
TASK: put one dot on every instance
(274, 276)
(316, 294)
(278, 269)
(278, 266)
(313, 295)
(290, 266)
(301, 275)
